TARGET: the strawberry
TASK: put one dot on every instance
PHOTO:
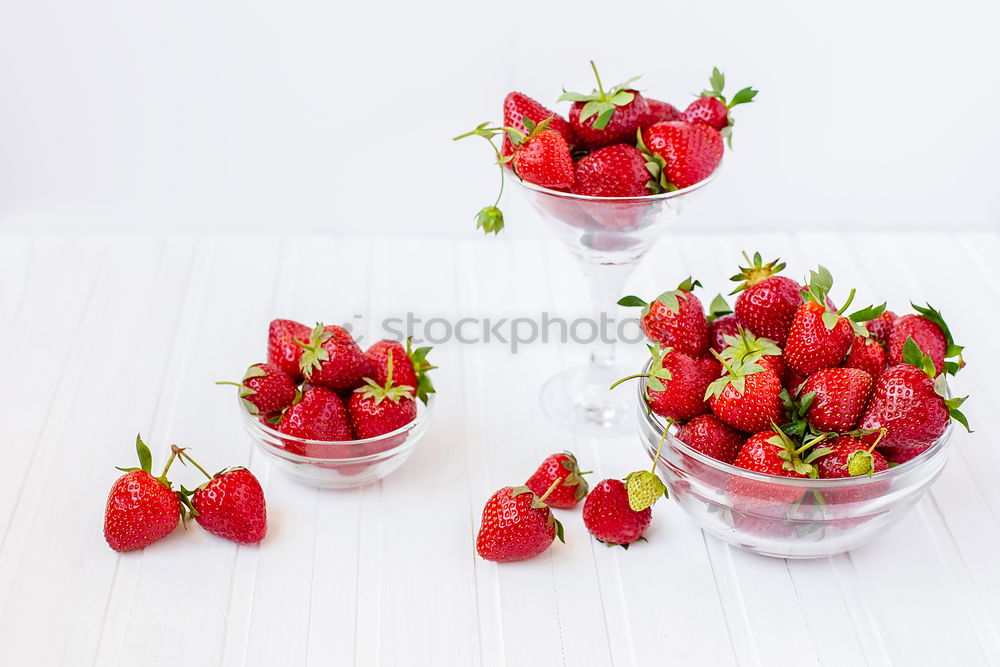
(618, 170)
(712, 109)
(793, 381)
(674, 319)
(881, 326)
(771, 453)
(141, 509)
(681, 154)
(516, 525)
(518, 106)
(609, 517)
(376, 409)
(910, 402)
(562, 466)
(319, 415)
(834, 398)
(721, 323)
(767, 302)
(266, 389)
(332, 359)
(230, 504)
(820, 336)
(604, 118)
(744, 349)
(849, 457)
(931, 335)
(747, 398)
(659, 112)
(866, 354)
(711, 436)
(411, 366)
(677, 384)
(543, 159)
(282, 349)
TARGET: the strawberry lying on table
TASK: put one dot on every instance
(616, 142)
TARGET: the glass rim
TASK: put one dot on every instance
(589, 198)
(656, 422)
(253, 423)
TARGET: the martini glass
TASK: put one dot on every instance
(609, 236)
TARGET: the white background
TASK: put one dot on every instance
(331, 116)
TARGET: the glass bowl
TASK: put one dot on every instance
(338, 465)
(787, 517)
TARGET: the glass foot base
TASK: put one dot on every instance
(579, 399)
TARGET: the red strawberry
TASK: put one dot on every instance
(609, 517)
(719, 328)
(555, 467)
(518, 106)
(410, 366)
(516, 525)
(745, 349)
(849, 457)
(266, 389)
(931, 335)
(838, 397)
(677, 385)
(711, 436)
(910, 405)
(543, 158)
(881, 326)
(769, 453)
(604, 118)
(674, 319)
(866, 354)
(333, 360)
(230, 505)
(747, 400)
(282, 350)
(618, 170)
(685, 153)
(320, 415)
(820, 337)
(141, 508)
(712, 109)
(376, 409)
(793, 381)
(659, 112)
(767, 302)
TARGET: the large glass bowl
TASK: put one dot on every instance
(609, 237)
(338, 465)
(787, 517)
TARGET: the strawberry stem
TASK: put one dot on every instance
(170, 461)
(663, 438)
(630, 377)
(723, 362)
(881, 434)
(551, 488)
(235, 384)
(850, 298)
(184, 455)
(600, 87)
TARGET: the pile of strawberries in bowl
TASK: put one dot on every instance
(616, 144)
(330, 413)
(795, 427)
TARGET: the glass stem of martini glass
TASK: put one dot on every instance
(606, 283)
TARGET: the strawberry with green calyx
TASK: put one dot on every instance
(676, 384)
(767, 302)
(712, 437)
(559, 466)
(283, 350)
(376, 409)
(265, 389)
(866, 354)
(680, 154)
(910, 401)
(835, 398)
(610, 518)
(517, 525)
(932, 336)
(230, 504)
(820, 336)
(644, 487)
(332, 359)
(850, 457)
(774, 452)
(721, 323)
(141, 508)
(608, 117)
(618, 170)
(411, 365)
(712, 109)
(881, 327)
(674, 319)
(747, 398)
(744, 349)
(517, 107)
(319, 414)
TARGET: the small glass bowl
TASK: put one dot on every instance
(787, 517)
(339, 464)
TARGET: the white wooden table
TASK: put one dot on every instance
(105, 337)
